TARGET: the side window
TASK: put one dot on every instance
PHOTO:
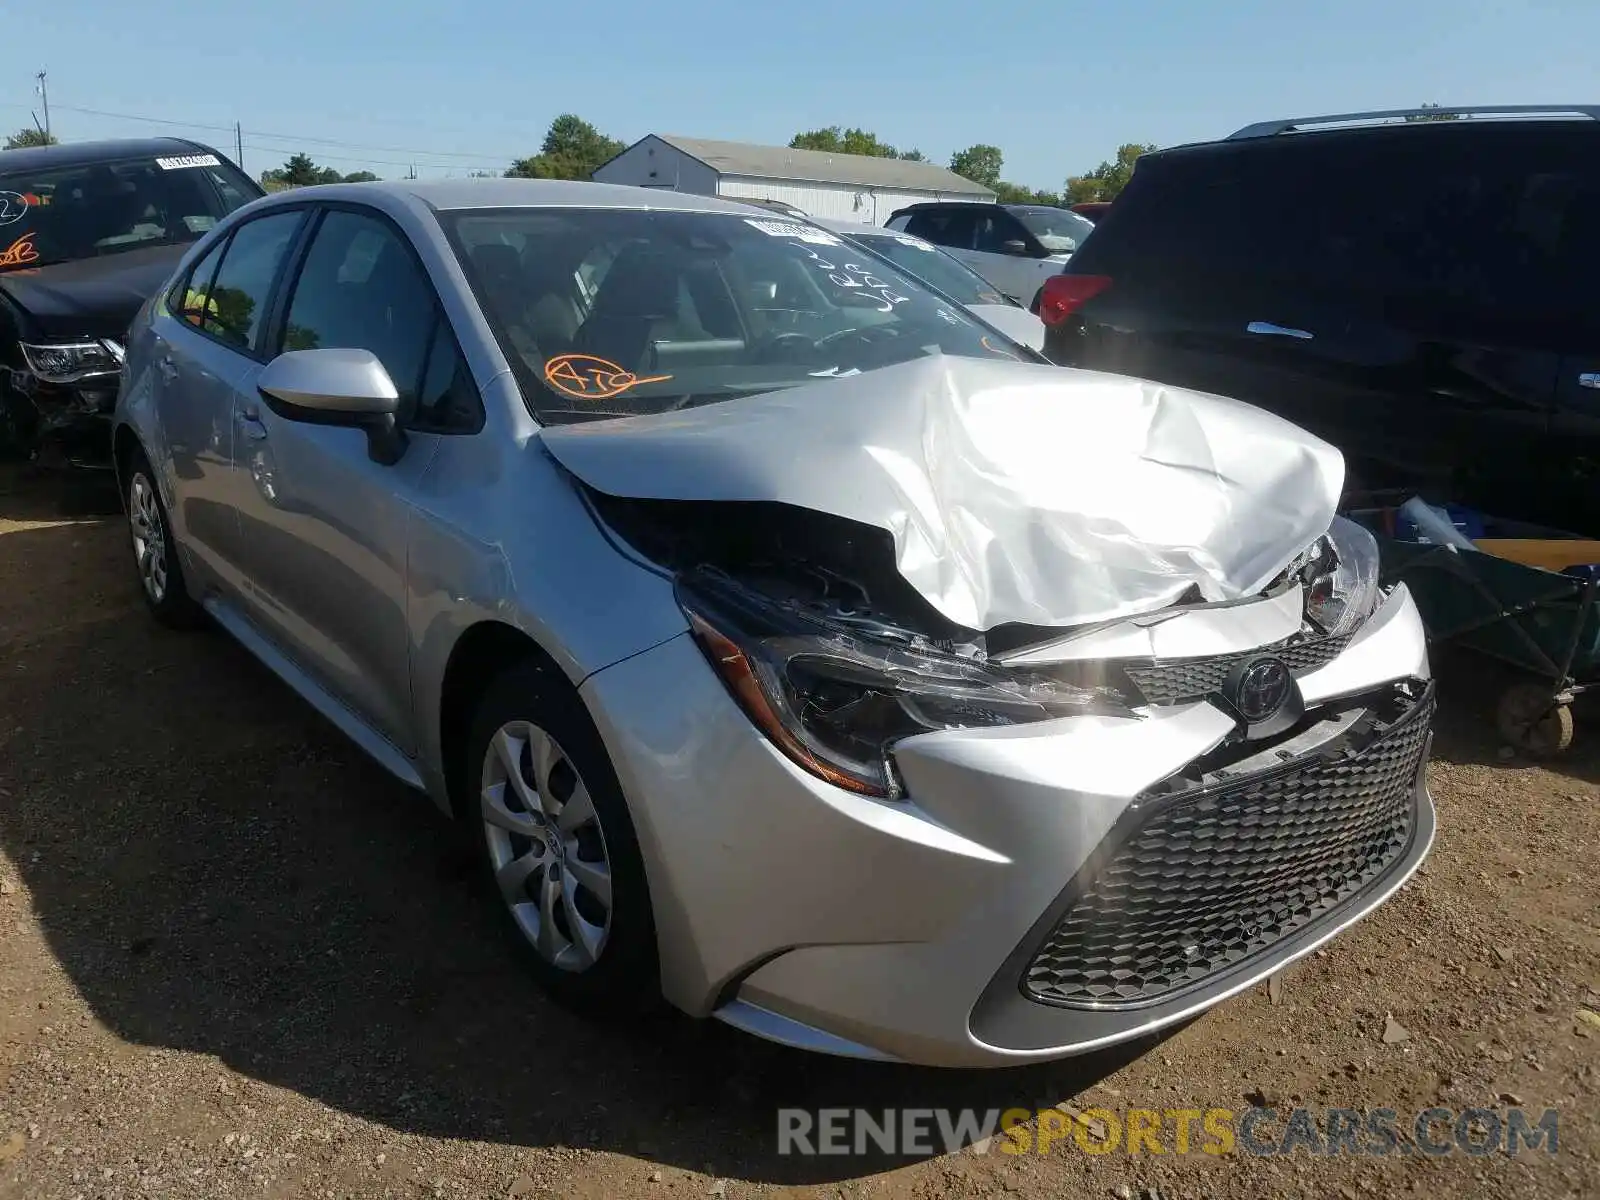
(991, 232)
(950, 227)
(361, 289)
(448, 400)
(188, 299)
(236, 306)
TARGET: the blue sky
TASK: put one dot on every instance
(1057, 86)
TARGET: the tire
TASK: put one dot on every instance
(1529, 719)
(551, 877)
(155, 553)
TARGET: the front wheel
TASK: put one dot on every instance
(557, 842)
(155, 555)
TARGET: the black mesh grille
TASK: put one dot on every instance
(1196, 678)
(1210, 880)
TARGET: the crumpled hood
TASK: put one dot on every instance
(1014, 492)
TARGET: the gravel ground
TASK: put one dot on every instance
(236, 959)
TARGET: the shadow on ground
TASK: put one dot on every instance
(219, 872)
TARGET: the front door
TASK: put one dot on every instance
(206, 350)
(324, 530)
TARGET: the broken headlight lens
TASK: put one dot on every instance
(835, 701)
(67, 362)
(1342, 579)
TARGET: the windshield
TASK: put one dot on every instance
(54, 215)
(1058, 230)
(933, 266)
(618, 312)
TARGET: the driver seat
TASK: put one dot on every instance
(641, 301)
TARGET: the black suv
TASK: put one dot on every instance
(88, 232)
(1415, 287)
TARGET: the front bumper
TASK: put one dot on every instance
(59, 424)
(910, 930)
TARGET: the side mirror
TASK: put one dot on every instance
(1017, 247)
(338, 387)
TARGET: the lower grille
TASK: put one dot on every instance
(1217, 876)
(1195, 678)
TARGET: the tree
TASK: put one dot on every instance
(29, 136)
(1434, 116)
(301, 171)
(1109, 178)
(980, 163)
(572, 149)
(1016, 193)
(834, 140)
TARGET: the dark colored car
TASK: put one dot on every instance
(88, 232)
(1415, 287)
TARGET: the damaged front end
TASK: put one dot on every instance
(836, 658)
(56, 401)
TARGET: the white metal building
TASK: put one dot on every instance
(840, 187)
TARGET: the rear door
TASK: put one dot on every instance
(207, 350)
(1563, 206)
(1371, 287)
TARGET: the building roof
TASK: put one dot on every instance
(822, 166)
(73, 154)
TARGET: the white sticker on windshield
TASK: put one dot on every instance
(199, 224)
(915, 243)
(188, 160)
(787, 229)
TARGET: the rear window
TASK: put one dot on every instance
(53, 215)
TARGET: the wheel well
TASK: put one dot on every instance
(480, 654)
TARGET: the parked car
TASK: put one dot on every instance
(947, 274)
(88, 231)
(1416, 291)
(1016, 247)
(1092, 210)
(871, 687)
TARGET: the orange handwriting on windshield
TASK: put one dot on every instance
(591, 378)
(19, 252)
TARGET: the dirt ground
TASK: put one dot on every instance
(236, 959)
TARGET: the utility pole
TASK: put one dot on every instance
(44, 94)
(238, 146)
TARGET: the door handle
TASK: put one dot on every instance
(169, 372)
(1268, 329)
(1589, 379)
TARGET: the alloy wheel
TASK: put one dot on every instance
(149, 536)
(546, 847)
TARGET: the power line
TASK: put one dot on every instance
(291, 137)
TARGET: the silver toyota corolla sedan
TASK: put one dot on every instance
(794, 646)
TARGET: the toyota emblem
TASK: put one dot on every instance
(1261, 689)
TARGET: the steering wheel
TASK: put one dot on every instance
(788, 339)
(865, 333)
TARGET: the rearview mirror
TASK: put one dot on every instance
(338, 387)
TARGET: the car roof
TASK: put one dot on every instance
(854, 228)
(74, 154)
(1407, 123)
(448, 194)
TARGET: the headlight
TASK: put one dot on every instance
(836, 701)
(1342, 588)
(66, 362)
